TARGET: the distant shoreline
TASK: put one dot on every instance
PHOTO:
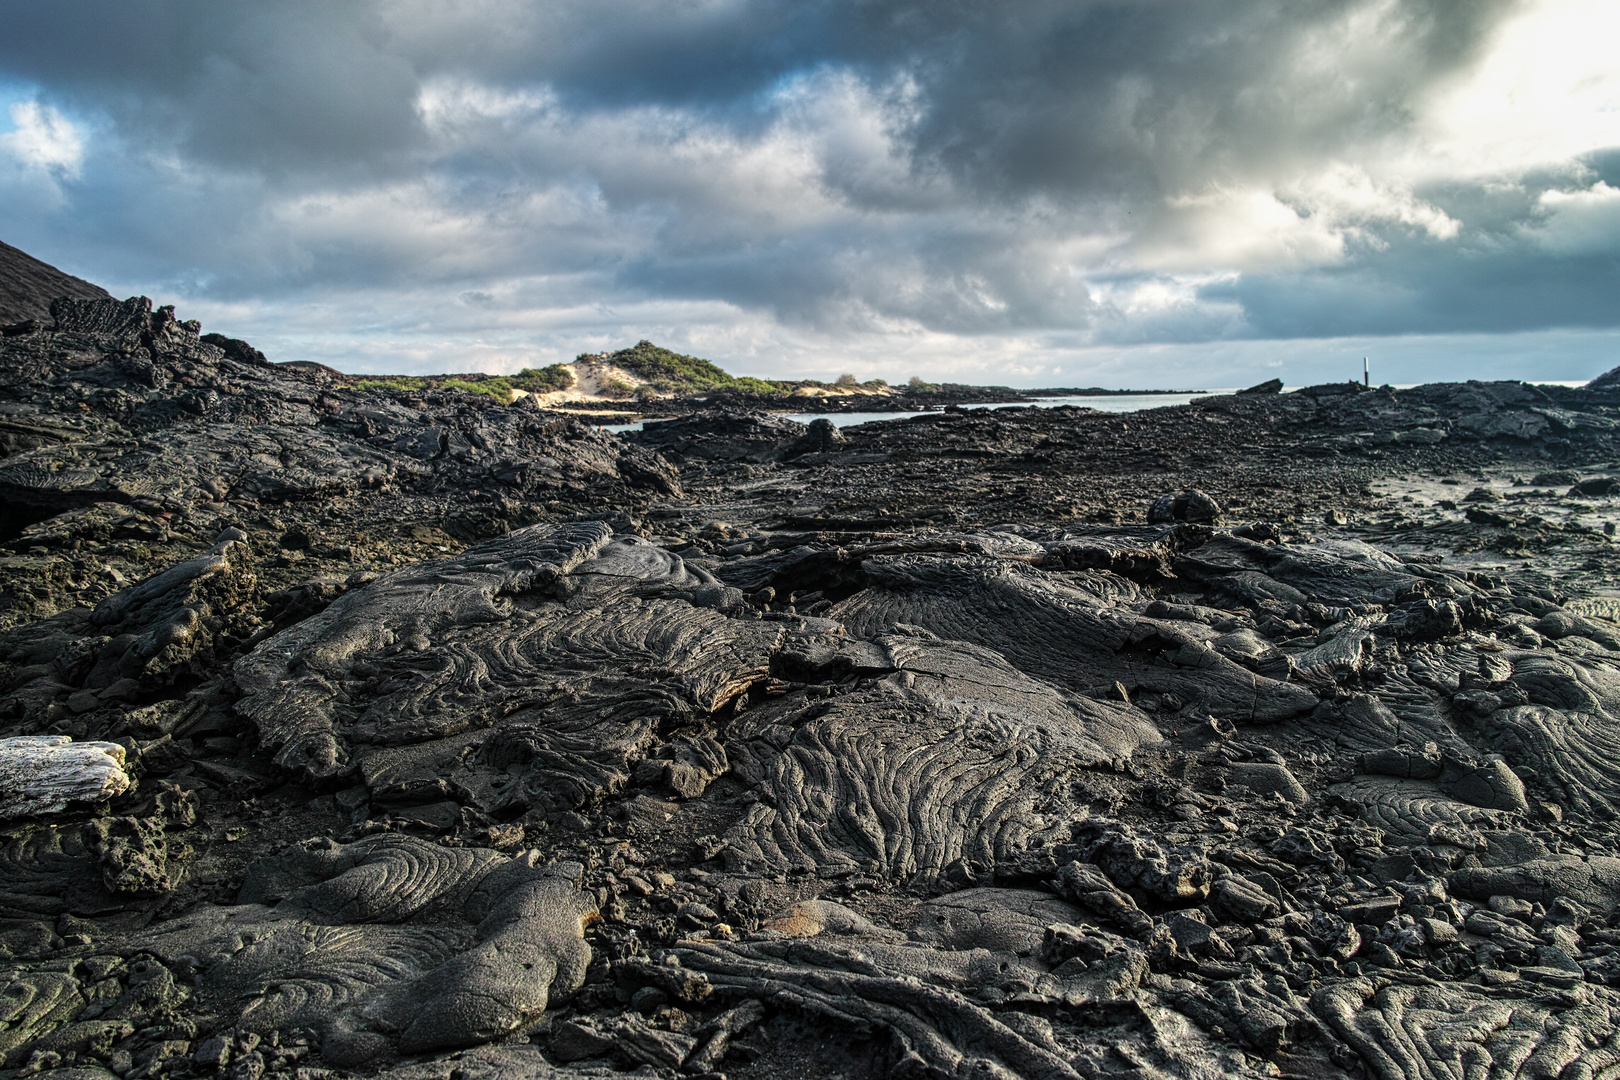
(898, 400)
(1097, 391)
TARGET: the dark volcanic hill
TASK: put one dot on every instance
(397, 732)
(27, 287)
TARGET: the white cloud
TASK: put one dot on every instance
(1546, 91)
(1580, 222)
(1349, 198)
(44, 139)
(1237, 229)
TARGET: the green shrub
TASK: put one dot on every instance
(668, 370)
(543, 380)
(499, 387)
(393, 382)
(675, 373)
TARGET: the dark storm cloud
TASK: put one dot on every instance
(1127, 171)
(1064, 96)
(1429, 295)
(270, 87)
(1132, 100)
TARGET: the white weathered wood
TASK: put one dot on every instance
(42, 774)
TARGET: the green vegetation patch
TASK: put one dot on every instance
(533, 380)
(675, 373)
(543, 380)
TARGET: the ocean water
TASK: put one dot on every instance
(1113, 403)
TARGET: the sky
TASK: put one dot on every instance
(1132, 193)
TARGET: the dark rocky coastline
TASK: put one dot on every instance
(426, 737)
(897, 399)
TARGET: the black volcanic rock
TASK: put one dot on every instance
(121, 421)
(1192, 505)
(469, 740)
(27, 287)
(723, 435)
(1609, 380)
(236, 349)
(822, 437)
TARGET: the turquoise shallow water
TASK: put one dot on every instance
(1115, 403)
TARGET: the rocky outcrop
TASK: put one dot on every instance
(27, 287)
(1609, 380)
(238, 429)
(724, 435)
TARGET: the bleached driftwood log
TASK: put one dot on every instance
(41, 774)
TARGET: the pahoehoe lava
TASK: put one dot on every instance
(360, 731)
